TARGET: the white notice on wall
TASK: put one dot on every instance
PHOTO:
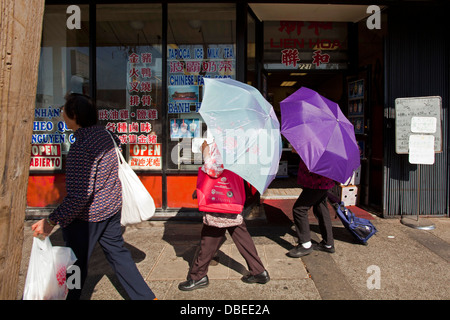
(421, 108)
(421, 149)
(423, 124)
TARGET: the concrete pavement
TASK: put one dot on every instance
(399, 263)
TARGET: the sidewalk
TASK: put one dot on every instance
(413, 264)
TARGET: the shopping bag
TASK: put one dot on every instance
(225, 194)
(137, 203)
(47, 269)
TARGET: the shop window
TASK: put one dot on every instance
(129, 73)
(251, 52)
(63, 68)
(201, 44)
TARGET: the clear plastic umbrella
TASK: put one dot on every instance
(245, 128)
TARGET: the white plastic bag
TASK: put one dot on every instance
(46, 276)
(137, 203)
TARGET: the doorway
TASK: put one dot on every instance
(323, 56)
(281, 84)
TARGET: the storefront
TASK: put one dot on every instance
(144, 64)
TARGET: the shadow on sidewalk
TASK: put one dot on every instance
(99, 267)
(185, 237)
(280, 223)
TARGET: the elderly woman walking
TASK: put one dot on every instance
(214, 227)
(91, 211)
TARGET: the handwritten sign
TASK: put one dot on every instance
(426, 112)
(423, 124)
(421, 149)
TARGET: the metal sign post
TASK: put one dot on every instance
(421, 151)
(416, 224)
(418, 133)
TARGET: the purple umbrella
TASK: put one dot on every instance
(321, 134)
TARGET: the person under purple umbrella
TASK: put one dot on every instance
(325, 141)
(314, 194)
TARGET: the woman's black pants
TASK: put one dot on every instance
(316, 198)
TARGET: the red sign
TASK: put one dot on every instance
(46, 157)
(145, 156)
(306, 44)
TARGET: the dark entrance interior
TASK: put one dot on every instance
(281, 84)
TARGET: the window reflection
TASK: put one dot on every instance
(63, 68)
(201, 43)
(129, 66)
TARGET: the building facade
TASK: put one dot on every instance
(144, 64)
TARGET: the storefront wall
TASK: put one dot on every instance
(417, 65)
(64, 66)
(146, 76)
(144, 64)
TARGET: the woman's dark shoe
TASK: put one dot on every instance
(322, 247)
(299, 251)
(190, 284)
(261, 278)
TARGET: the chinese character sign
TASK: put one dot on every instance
(188, 65)
(305, 45)
(134, 122)
(139, 80)
(145, 156)
(290, 57)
